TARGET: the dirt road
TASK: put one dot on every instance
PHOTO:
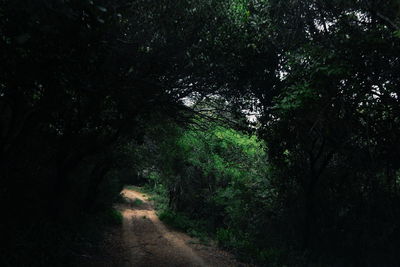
(149, 242)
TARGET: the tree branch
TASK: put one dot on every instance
(388, 22)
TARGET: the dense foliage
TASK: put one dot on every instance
(88, 86)
(78, 79)
(212, 182)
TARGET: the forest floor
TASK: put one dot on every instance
(145, 241)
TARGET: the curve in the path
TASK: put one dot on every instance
(150, 243)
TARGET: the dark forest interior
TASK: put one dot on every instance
(269, 126)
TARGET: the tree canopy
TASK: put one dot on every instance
(95, 94)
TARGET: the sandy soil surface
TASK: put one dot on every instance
(148, 242)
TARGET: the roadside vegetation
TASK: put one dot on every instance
(215, 183)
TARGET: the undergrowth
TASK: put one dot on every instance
(227, 238)
(177, 220)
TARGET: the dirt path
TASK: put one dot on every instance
(148, 242)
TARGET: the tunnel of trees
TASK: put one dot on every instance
(271, 125)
